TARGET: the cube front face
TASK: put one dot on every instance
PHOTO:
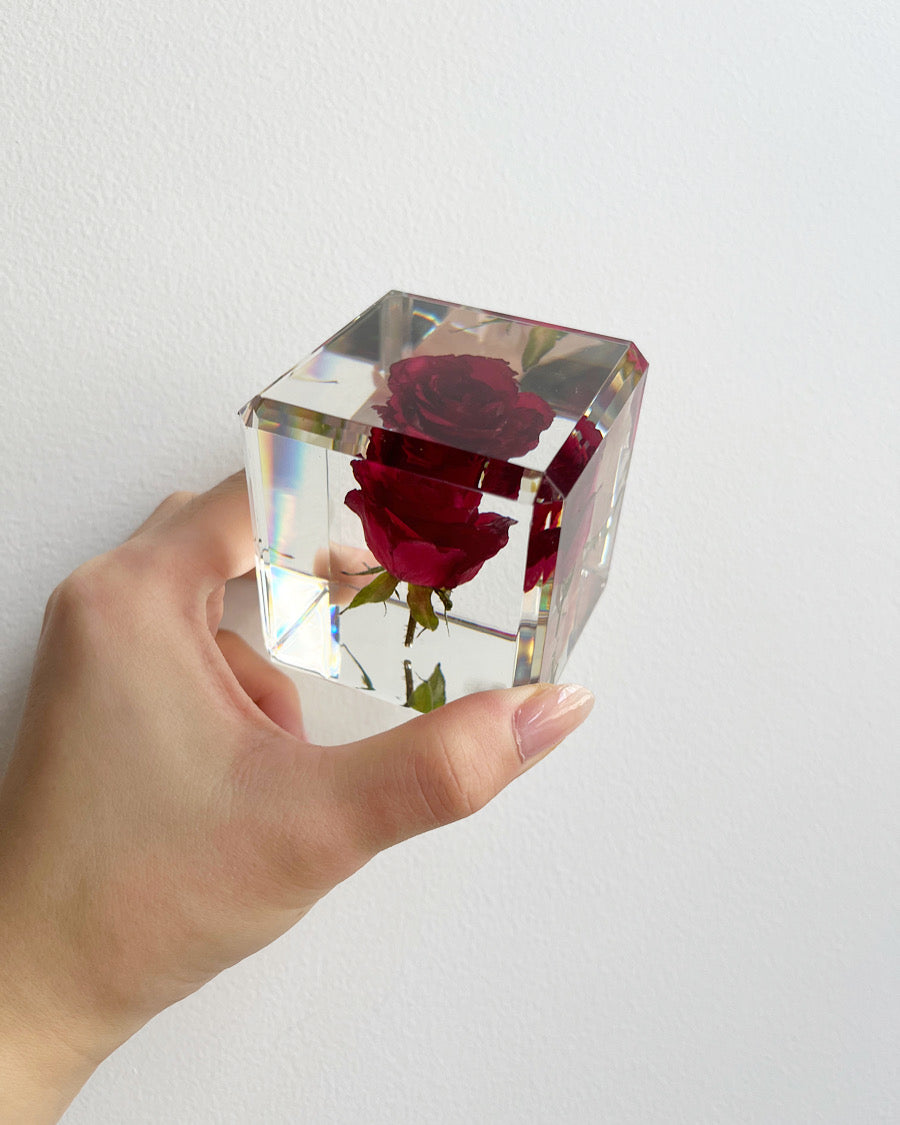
(435, 493)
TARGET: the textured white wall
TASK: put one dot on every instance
(689, 913)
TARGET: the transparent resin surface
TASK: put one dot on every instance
(435, 492)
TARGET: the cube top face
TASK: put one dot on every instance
(435, 493)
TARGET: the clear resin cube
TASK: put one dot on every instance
(435, 493)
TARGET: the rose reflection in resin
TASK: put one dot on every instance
(435, 494)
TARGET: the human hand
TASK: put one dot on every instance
(163, 815)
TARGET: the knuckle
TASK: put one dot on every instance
(82, 597)
(138, 565)
(449, 790)
(165, 509)
(77, 592)
(306, 843)
(103, 592)
(177, 500)
(314, 848)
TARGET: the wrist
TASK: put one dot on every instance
(49, 1045)
(38, 1078)
(40, 1070)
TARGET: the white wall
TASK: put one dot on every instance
(689, 913)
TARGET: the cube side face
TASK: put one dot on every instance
(435, 492)
(313, 559)
(288, 492)
(588, 530)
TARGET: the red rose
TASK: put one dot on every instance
(424, 532)
(576, 451)
(564, 470)
(543, 543)
(419, 456)
(503, 479)
(465, 400)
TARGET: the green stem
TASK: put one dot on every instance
(410, 631)
(407, 672)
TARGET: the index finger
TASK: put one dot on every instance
(210, 538)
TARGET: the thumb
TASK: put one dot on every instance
(445, 765)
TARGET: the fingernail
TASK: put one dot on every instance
(546, 717)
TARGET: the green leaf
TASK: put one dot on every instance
(419, 601)
(378, 590)
(431, 693)
(540, 340)
(360, 573)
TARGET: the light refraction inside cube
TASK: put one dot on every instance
(435, 493)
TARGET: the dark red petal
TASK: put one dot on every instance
(528, 400)
(541, 561)
(425, 564)
(502, 479)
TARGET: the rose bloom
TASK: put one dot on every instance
(425, 532)
(465, 400)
